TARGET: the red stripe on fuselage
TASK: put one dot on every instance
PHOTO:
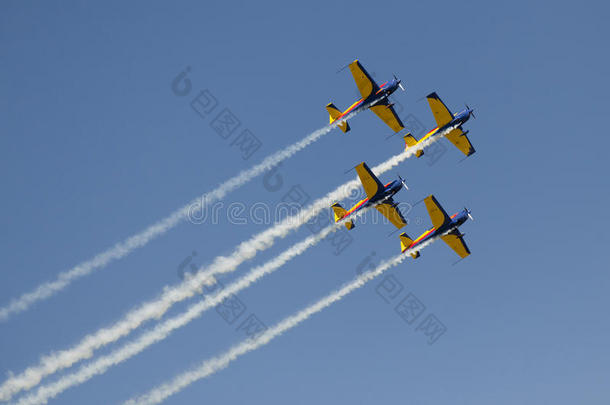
(357, 103)
(424, 235)
(420, 238)
(381, 88)
(429, 133)
(351, 108)
(355, 207)
(432, 131)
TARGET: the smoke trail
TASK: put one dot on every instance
(122, 249)
(162, 330)
(209, 367)
(171, 295)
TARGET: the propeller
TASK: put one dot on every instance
(471, 111)
(399, 83)
(404, 184)
(469, 215)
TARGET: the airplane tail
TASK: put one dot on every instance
(340, 213)
(411, 141)
(405, 242)
(335, 113)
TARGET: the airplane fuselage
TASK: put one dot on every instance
(457, 220)
(458, 119)
(388, 191)
(384, 92)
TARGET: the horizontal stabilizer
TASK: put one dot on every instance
(344, 126)
(405, 241)
(340, 213)
(334, 113)
(410, 140)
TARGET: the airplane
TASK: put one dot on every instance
(445, 119)
(378, 195)
(444, 226)
(374, 97)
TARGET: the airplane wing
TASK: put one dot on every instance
(389, 210)
(387, 114)
(365, 83)
(456, 242)
(369, 181)
(441, 113)
(438, 216)
(461, 141)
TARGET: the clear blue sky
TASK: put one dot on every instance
(94, 146)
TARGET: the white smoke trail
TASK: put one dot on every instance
(155, 309)
(162, 330)
(209, 367)
(122, 249)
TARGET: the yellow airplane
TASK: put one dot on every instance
(444, 226)
(374, 97)
(378, 195)
(445, 119)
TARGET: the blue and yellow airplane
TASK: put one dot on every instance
(445, 119)
(444, 226)
(373, 96)
(378, 195)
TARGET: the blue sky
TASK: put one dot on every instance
(95, 146)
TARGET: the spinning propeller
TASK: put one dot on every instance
(399, 84)
(404, 184)
(471, 111)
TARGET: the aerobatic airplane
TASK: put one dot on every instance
(378, 195)
(373, 96)
(444, 226)
(445, 119)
